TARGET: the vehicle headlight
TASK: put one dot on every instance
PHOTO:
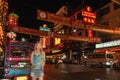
(108, 63)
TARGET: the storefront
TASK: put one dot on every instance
(109, 47)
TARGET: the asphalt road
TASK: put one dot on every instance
(79, 72)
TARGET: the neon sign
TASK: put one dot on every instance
(88, 14)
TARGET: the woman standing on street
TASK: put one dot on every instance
(38, 62)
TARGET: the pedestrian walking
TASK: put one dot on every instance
(38, 62)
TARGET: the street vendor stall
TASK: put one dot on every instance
(18, 62)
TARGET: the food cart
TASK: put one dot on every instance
(18, 64)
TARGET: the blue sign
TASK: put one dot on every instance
(44, 29)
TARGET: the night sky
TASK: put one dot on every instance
(26, 9)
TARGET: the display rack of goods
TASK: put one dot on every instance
(18, 64)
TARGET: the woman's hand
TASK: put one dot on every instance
(33, 66)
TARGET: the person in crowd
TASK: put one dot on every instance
(38, 62)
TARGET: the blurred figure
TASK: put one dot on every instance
(38, 62)
(56, 62)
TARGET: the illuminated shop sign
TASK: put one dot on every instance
(21, 78)
(55, 51)
(88, 14)
(43, 41)
(44, 29)
(108, 44)
(106, 49)
(90, 33)
(57, 41)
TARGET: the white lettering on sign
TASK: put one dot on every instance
(108, 44)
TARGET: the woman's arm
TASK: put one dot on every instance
(32, 58)
(44, 57)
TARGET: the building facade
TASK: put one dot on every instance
(109, 16)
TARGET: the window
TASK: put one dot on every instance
(116, 6)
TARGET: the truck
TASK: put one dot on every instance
(99, 59)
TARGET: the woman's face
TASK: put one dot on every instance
(38, 46)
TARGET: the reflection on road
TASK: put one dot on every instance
(79, 72)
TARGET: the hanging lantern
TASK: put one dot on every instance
(90, 33)
(13, 20)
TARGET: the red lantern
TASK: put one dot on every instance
(89, 33)
(13, 20)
